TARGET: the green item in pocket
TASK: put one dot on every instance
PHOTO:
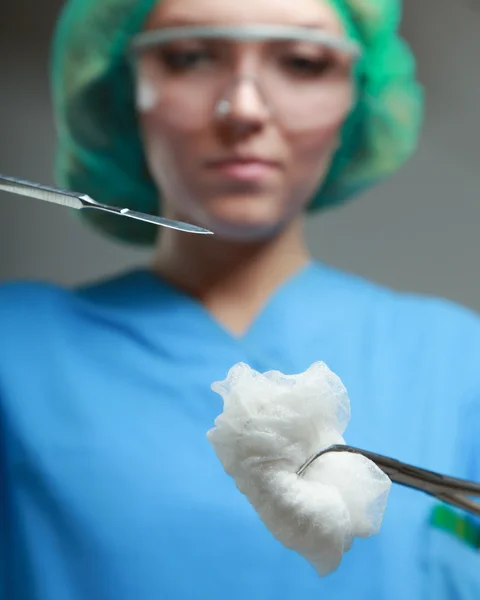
(461, 526)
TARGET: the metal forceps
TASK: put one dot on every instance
(451, 490)
(82, 201)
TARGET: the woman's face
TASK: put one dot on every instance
(246, 172)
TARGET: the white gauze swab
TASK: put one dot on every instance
(270, 425)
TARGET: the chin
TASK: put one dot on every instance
(245, 234)
(250, 217)
(246, 226)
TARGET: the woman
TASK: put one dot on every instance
(110, 489)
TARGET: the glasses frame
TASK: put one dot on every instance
(247, 33)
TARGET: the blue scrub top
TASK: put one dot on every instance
(109, 489)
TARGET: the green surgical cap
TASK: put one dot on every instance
(99, 149)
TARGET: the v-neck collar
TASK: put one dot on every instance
(275, 300)
(284, 326)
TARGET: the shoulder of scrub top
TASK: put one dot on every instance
(437, 328)
(37, 307)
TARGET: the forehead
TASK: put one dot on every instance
(314, 13)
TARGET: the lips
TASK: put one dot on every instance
(244, 168)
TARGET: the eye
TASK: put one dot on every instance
(180, 60)
(306, 66)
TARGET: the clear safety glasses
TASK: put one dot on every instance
(297, 75)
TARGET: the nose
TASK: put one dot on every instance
(243, 110)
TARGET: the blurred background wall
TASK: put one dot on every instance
(418, 231)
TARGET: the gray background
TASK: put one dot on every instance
(418, 231)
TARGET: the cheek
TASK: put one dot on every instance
(167, 142)
(314, 149)
(156, 113)
(165, 110)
